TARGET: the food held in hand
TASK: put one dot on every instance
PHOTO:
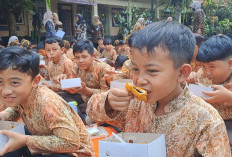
(140, 93)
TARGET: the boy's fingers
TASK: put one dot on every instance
(5, 132)
(216, 86)
(210, 94)
(5, 150)
(122, 98)
(119, 92)
(208, 100)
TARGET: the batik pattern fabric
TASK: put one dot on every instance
(98, 32)
(93, 77)
(125, 51)
(64, 66)
(190, 124)
(109, 55)
(50, 29)
(198, 22)
(54, 125)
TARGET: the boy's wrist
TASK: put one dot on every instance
(88, 91)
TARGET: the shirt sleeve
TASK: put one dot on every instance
(65, 135)
(12, 114)
(103, 83)
(98, 111)
(68, 66)
(214, 140)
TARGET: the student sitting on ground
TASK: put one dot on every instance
(90, 71)
(161, 63)
(59, 62)
(54, 126)
(120, 60)
(109, 53)
(123, 50)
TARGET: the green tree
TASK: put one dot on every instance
(127, 19)
(9, 7)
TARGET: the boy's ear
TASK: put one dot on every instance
(93, 55)
(230, 63)
(185, 70)
(36, 80)
(62, 49)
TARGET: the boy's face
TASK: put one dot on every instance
(108, 47)
(156, 74)
(83, 60)
(100, 42)
(54, 52)
(15, 87)
(218, 71)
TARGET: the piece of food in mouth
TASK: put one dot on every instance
(139, 93)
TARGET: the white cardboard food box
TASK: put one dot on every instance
(198, 88)
(12, 126)
(70, 83)
(144, 145)
(120, 83)
(102, 59)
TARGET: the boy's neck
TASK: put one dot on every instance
(56, 62)
(164, 102)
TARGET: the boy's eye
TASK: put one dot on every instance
(152, 71)
(135, 69)
(212, 67)
(0, 82)
(15, 83)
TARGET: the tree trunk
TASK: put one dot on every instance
(177, 5)
(11, 23)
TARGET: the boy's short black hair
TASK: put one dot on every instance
(73, 41)
(55, 40)
(20, 59)
(107, 41)
(82, 45)
(218, 47)
(174, 37)
(100, 38)
(121, 42)
(120, 60)
(102, 49)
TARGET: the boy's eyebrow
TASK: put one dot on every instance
(147, 65)
(16, 78)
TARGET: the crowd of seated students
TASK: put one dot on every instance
(161, 58)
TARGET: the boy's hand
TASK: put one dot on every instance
(16, 141)
(3, 115)
(61, 77)
(220, 95)
(80, 90)
(119, 99)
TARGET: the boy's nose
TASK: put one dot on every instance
(6, 90)
(141, 80)
(208, 72)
